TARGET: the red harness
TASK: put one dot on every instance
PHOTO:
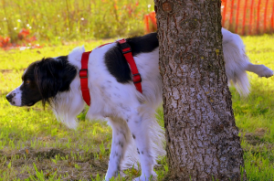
(83, 73)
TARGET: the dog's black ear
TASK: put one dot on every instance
(52, 76)
(67, 74)
(45, 78)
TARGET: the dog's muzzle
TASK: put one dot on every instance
(14, 97)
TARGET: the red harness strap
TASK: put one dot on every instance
(83, 74)
(130, 60)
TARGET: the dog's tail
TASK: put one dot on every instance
(236, 61)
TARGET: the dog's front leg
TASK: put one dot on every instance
(120, 138)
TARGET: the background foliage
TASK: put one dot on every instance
(73, 19)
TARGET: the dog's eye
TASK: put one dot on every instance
(27, 81)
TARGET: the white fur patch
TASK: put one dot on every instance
(75, 56)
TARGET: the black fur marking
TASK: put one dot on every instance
(143, 44)
(44, 79)
(133, 136)
(121, 144)
(117, 65)
(138, 151)
(118, 169)
(116, 62)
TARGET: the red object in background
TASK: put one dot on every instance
(238, 16)
(265, 13)
(224, 12)
(272, 17)
(231, 12)
(147, 24)
(150, 22)
(23, 34)
(243, 26)
(251, 17)
(24, 37)
(258, 16)
(4, 42)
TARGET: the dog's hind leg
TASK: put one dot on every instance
(260, 70)
(120, 138)
(237, 62)
(139, 125)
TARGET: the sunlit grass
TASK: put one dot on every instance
(33, 144)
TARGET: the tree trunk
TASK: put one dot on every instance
(202, 138)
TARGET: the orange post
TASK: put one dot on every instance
(237, 16)
(258, 16)
(265, 14)
(231, 12)
(251, 17)
(152, 17)
(147, 24)
(272, 17)
(224, 12)
(243, 27)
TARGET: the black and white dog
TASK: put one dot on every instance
(137, 137)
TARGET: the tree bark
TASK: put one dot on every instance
(202, 138)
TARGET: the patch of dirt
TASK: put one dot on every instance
(70, 164)
(252, 139)
(261, 131)
(256, 141)
(256, 138)
(47, 154)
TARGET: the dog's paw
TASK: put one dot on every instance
(119, 174)
(109, 176)
(144, 178)
(265, 71)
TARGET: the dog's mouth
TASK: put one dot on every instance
(30, 104)
(14, 104)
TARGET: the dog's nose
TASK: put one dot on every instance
(9, 97)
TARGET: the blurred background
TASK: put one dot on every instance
(50, 20)
(25, 21)
(248, 17)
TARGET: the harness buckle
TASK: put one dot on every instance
(125, 46)
(83, 73)
(126, 50)
(137, 78)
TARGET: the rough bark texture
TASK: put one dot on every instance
(202, 138)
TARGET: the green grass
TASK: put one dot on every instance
(73, 19)
(34, 146)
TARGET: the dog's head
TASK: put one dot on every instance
(42, 80)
